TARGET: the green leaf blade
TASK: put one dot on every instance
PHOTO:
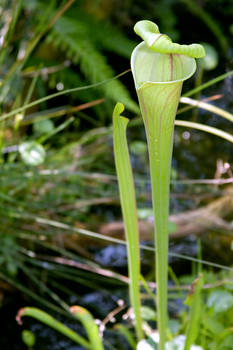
(129, 210)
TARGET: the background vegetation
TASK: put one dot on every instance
(58, 188)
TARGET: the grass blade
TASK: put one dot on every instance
(207, 107)
(206, 128)
(208, 83)
(57, 94)
(194, 301)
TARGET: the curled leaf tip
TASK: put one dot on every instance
(77, 309)
(144, 26)
(158, 42)
(19, 316)
(119, 108)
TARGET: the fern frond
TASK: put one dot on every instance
(105, 35)
(112, 39)
(78, 47)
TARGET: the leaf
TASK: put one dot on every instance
(32, 153)
(148, 314)
(212, 325)
(43, 126)
(194, 301)
(87, 320)
(129, 208)
(80, 49)
(11, 267)
(174, 326)
(210, 61)
(227, 343)
(220, 300)
(28, 338)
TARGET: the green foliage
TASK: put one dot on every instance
(28, 338)
(88, 322)
(8, 250)
(129, 210)
(220, 300)
(43, 127)
(211, 59)
(48, 202)
(148, 314)
(210, 318)
(194, 301)
(75, 38)
(73, 53)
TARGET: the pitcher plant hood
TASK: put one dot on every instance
(158, 60)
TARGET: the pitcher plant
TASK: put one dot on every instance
(159, 69)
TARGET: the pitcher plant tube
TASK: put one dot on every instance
(129, 211)
(159, 68)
